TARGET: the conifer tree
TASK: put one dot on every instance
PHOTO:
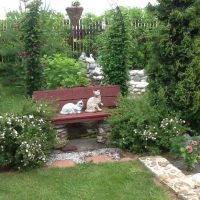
(175, 68)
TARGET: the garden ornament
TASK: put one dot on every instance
(82, 57)
(94, 102)
(71, 108)
(90, 59)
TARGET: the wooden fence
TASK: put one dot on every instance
(81, 32)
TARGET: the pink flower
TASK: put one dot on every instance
(189, 149)
(194, 142)
(34, 47)
(41, 65)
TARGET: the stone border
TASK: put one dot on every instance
(186, 187)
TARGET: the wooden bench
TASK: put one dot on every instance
(59, 97)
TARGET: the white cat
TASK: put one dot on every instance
(94, 102)
(71, 108)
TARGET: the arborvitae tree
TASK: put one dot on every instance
(175, 68)
(32, 41)
(114, 53)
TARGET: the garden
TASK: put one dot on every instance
(39, 51)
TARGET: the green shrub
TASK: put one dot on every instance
(170, 127)
(25, 140)
(134, 125)
(138, 126)
(60, 71)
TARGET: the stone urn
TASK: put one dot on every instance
(74, 13)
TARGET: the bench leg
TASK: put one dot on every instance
(61, 136)
(101, 133)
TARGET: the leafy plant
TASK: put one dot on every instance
(138, 126)
(170, 127)
(25, 140)
(191, 154)
(134, 125)
(61, 71)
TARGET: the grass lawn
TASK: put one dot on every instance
(115, 181)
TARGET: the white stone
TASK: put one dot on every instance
(196, 179)
(98, 78)
(141, 72)
(133, 72)
(98, 71)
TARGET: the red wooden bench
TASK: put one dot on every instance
(59, 97)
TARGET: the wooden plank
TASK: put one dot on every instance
(78, 118)
(76, 93)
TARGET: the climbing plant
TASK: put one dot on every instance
(32, 40)
(114, 52)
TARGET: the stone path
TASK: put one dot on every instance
(186, 187)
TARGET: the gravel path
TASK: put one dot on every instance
(79, 157)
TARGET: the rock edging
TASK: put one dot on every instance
(186, 187)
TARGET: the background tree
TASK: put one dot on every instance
(174, 70)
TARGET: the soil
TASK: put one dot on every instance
(179, 163)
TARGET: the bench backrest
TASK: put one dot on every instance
(59, 97)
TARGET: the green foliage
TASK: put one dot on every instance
(170, 128)
(11, 68)
(175, 67)
(55, 33)
(61, 71)
(191, 154)
(32, 42)
(134, 125)
(188, 148)
(138, 126)
(25, 140)
(114, 53)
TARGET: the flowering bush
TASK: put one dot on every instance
(138, 126)
(191, 154)
(25, 141)
(169, 128)
(134, 125)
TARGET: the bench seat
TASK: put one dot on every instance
(79, 118)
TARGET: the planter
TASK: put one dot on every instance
(74, 14)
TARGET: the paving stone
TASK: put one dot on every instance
(62, 164)
(126, 159)
(99, 159)
(69, 148)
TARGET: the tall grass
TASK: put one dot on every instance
(12, 99)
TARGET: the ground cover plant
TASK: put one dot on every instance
(106, 181)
